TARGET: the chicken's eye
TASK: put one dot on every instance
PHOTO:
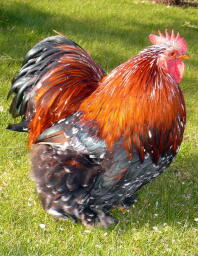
(172, 54)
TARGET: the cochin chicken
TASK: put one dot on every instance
(96, 139)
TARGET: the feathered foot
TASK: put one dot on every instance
(72, 210)
(96, 218)
(65, 207)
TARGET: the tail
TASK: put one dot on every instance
(56, 68)
(20, 127)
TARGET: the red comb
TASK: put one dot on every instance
(171, 39)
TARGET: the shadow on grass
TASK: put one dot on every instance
(182, 4)
(23, 22)
(18, 18)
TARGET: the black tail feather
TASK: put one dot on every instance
(20, 127)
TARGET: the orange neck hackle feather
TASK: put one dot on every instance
(140, 104)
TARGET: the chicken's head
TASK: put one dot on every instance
(171, 60)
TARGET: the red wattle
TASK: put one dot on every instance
(176, 69)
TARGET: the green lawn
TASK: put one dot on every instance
(164, 220)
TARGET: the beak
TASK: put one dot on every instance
(184, 57)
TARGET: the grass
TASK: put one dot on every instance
(162, 222)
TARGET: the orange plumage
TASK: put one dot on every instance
(136, 107)
(96, 139)
(59, 93)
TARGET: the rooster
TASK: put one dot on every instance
(96, 139)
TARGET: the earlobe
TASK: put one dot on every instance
(176, 69)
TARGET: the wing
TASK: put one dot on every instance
(65, 163)
(83, 139)
(94, 166)
(57, 74)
